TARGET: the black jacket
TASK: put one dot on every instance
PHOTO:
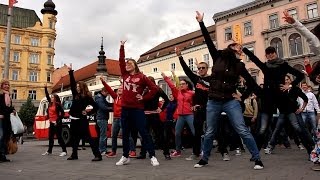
(5, 111)
(202, 84)
(226, 71)
(79, 103)
(290, 103)
(153, 104)
(273, 77)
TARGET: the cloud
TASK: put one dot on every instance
(145, 24)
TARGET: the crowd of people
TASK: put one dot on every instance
(227, 106)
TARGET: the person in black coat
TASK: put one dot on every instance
(6, 109)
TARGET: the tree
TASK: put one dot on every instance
(27, 113)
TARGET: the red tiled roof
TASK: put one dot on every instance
(183, 42)
(87, 72)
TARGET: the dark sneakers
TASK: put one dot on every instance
(141, 157)
(258, 165)
(73, 158)
(167, 157)
(200, 164)
(4, 159)
(97, 158)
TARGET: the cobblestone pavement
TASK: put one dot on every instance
(28, 163)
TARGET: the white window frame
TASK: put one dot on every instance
(32, 94)
(247, 27)
(250, 48)
(206, 59)
(49, 76)
(34, 41)
(173, 66)
(314, 12)
(33, 76)
(228, 34)
(191, 64)
(274, 22)
(16, 56)
(14, 94)
(49, 59)
(155, 69)
(294, 15)
(17, 39)
(34, 58)
(15, 75)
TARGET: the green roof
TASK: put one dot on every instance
(22, 18)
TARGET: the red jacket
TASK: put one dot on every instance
(117, 100)
(308, 69)
(133, 85)
(184, 98)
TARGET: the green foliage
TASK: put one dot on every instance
(27, 113)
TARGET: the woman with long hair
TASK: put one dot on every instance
(184, 96)
(223, 98)
(6, 109)
(55, 114)
(133, 100)
(82, 98)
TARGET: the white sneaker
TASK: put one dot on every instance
(103, 153)
(238, 152)
(63, 154)
(46, 154)
(268, 150)
(123, 161)
(226, 157)
(192, 157)
(154, 161)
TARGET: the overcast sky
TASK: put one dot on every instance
(144, 23)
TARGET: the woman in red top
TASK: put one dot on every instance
(184, 97)
(133, 99)
(55, 113)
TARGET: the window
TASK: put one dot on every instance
(34, 58)
(173, 66)
(293, 13)
(274, 21)
(49, 59)
(228, 34)
(247, 28)
(50, 43)
(191, 64)
(16, 56)
(33, 94)
(14, 94)
(155, 70)
(295, 44)
(250, 48)
(312, 10)
(50, 24)
(277, 43)
(206, 59)
(17, 39)
(15, 74)
(33, 76)
(48, 76)
(34, 41)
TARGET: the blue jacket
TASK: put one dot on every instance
(103, 107)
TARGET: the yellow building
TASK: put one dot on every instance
(32, 51)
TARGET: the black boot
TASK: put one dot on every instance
(73, 157)
(97, 158)
(3, 158)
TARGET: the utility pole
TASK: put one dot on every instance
(8, 43)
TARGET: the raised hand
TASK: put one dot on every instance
(101, 78)
(177, 50)
(196, 62)
(163, 75)
(123, 42)
(173, 73)
(199, 16)
(69, 67)
(287, 18)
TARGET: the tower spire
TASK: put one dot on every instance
(101, 68)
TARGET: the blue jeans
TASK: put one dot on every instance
(305, 138)
(182, 119)
(116, 126)
(102, 124)
(310, 118)
(233, 110)
(131, 119)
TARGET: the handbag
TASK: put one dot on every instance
(12, 146)
(16, 124)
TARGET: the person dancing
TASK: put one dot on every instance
(223, 98)
(132, 114)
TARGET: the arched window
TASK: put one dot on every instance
(277, 43)
(295, 44)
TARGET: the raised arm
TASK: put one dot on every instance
(299, 75)
(108, 88)
(173, 88)
(254, 59)
(305, 32)
(211, 47)
(193, 77)
(175, 79)
(73, 83)
(314, 75)
(305, 100)
(47, 93)
(122, 62)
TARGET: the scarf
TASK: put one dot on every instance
(274, 63)
(7, 98)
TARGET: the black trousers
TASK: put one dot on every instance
(55, 129)
(199, 119)
(80, 129)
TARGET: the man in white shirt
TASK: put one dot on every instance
(309, 114)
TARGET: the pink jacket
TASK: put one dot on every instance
(183, 97)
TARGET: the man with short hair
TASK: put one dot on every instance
(102, 117)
